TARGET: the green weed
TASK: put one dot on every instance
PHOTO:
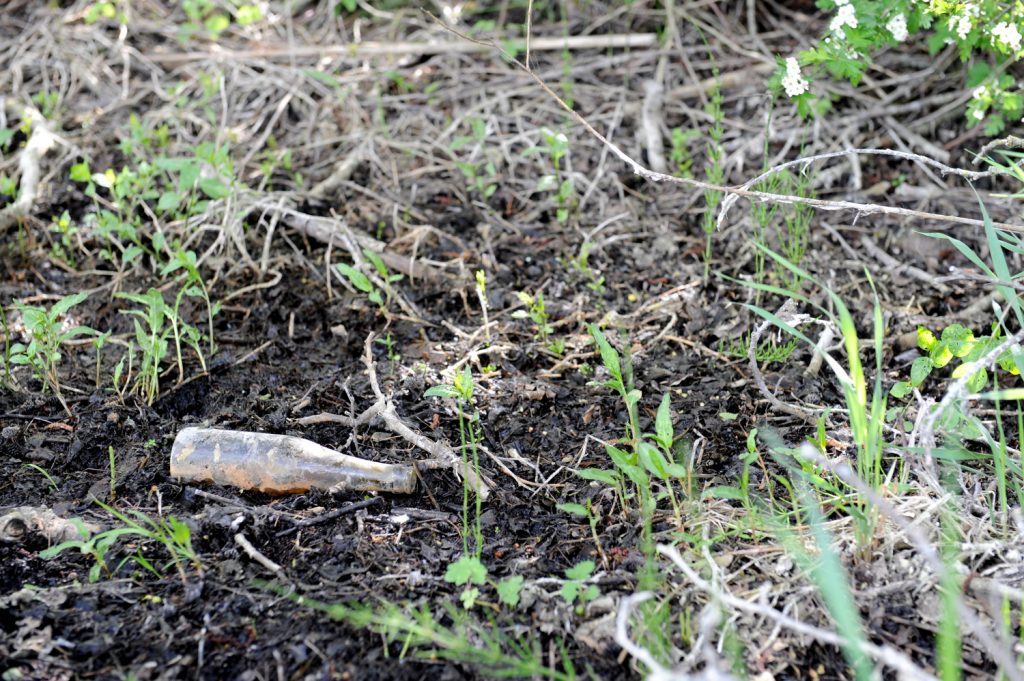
(152, 336)
(714, 170)
(469, 568)
(174, 535)
(47, 334)
(537, 313)
(556, 146)
(481, 175)
(866, 412)
(487, 647)
(681, 157)
(769, 350)
(380, 295)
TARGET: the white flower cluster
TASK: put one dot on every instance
(845, 16)
(1008, 35)
(962, 22)
(793, 82)
(897, 26)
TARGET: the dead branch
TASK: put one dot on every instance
(40, 141)
(367, 50)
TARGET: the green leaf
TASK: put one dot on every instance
(581, 570)
(323, 77)
(467, 569)
(940, 355)
(216, 24)
(620, 457)
(925, 339)
(508, 590)
(959, 338)
(609, 357)
(168, 201)
(66, 303)
(978, 380)
(575, 509)
(131, 253)
(663, 422)
(919, 370)
(214, 188)
(80, 172)
(441, 391)
(247, 14)
(468, 597)
(605, 476)
(901, 389)
(723, 492)
(378, 263)
(651, 458)
(359, 280)
(977, 73)
(570, 590)
(77, 331)
(677, 471)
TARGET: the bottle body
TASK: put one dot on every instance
(279, 464)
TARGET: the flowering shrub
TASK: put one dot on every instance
(987, 33)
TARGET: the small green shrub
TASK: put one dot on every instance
(987, 34)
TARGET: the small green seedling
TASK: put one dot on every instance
(535, 312)
(47, 333)
(362, 282)
(959, 346)
(152, 335)
(174, 535)
(556, 145)
(481, 176)
(574, 588)
(389, 345)
(769, 350)
(956, 342)
(469, 567)
(481, 295)
(65, 233)
(680, 156)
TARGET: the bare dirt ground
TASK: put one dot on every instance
(333, 133)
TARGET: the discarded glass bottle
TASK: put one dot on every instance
(279, 464)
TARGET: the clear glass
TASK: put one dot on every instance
(279, 464)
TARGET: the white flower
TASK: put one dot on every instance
(897, 26)
(978, 92)
(979, 114)
(961, 25)
(793, 82)
(1007, 34)
(846, 16)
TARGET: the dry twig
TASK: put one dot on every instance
(885, 654)
(384, 410)
(40, 141)
(733, 193)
